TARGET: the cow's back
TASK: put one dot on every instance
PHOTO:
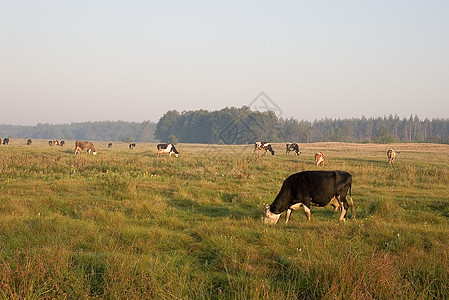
(162, 146)
(317, 185)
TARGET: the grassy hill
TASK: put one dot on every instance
(126, 224)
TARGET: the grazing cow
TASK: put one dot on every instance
(319, 158)
(110, 145)
(263, 146)
(29, 141)
(391, 154)
(6, 141)
(292, 147)
(308, 188)
(166, 148)
(50, 143)
(62, 143)
(85, 145)
(132, 146)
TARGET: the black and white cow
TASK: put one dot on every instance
(132, 145)
(6, 141)
(307, 188)
(62, 143)
(263, 146)
(29, 141)
(109, 145)
(166, 148)
(292, 147)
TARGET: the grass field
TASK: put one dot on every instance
(126, 224)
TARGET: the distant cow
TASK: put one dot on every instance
(263, 146)
(166, 148)
(29, 141)
(319, 158)
(85, 145)
(6, 141)
(308, 188)
(292, 147)
(391, 154)
(62, 143)
(132, 145)
(50, 143)
(110, 145)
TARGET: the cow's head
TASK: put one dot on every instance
(173, 150)
(270, 218)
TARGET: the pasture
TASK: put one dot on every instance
(125, 224)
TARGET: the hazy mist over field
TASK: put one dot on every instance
(69, 62)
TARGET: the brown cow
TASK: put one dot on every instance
(85, 145)
(319, 158)
(391, 154)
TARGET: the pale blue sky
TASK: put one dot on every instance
(75, 61)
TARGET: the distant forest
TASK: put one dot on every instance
(242, 126)
(93, 131)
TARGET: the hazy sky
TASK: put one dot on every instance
(76, 61)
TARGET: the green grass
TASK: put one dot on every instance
(126, 224)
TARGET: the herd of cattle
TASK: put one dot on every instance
(170, 149)
(303, 189)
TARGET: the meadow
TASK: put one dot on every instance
(125, 224)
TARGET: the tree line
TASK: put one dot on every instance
(94, 131)
(242, 125)
(233, 125)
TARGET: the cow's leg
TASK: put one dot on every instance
(335, 203)
(289, 211)
(307, 212)
(287, 215)
(344, 208)
(351, 205)
(343, 213)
